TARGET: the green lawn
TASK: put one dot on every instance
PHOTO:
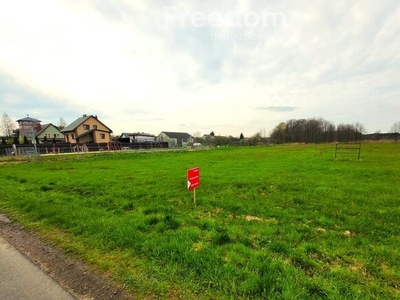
(270, 222)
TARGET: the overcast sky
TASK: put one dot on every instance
(222, 66)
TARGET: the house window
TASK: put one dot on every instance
(94, 126)
(54, 135)
(102, 136)
(72, 136)
(86, 126)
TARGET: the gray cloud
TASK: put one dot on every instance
(18, 100)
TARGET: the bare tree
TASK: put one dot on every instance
(360, 130)
(377, 135)
(278, 134)
(255, 139)
(346, 133)
(197, 137)
(61, 123)
(396, 130)
(263, 133)
(7, 125)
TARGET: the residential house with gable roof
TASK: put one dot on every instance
(175, 139)
(49, 132)
(87, 129)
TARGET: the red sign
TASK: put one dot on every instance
(193, 178)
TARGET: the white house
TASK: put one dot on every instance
(176, 139)
(137, 137)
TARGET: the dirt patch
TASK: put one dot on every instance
(74, 276)
(253, 218)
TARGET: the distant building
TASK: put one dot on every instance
(28, 127)
(87, 129)
(136, 137)
(208, 136)
(50, 132)
(175, 139)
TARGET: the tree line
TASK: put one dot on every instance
(313, 130)
(316, 130)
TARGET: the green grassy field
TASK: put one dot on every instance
(278, 222)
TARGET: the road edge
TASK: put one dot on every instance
(82, 281)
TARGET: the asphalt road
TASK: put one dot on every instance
(21, 279)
